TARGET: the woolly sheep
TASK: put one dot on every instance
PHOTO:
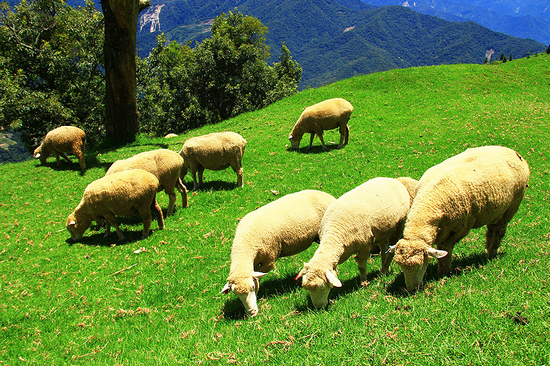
(126, 193)
(281, 228)
(481, 186)
(164, 164)
(214, 151)
(372, 214)
(326, 115)
(64, 139)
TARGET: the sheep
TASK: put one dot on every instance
(164, 164)
(281, 228)
(61, 140)
(372, 214)
(124, 193)
(214, 151)
(481, 186)
(326, 115)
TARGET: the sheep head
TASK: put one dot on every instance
(246, 289)
(318, 283)
(42, 153)
(295, 140)
(413, 256)
(77, 226)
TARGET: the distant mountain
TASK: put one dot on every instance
(519, 18)
(336, 39)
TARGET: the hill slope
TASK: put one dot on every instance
(157, 301)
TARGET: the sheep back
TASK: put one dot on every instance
(325, 115)
(481, 186)
(214, 151)
(61, 140)
(284, 227)
(125, 193)
(164, 164)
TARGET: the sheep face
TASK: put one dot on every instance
(319, 284)
(77, 227)
(246, 290)
(42, 153)
(294, 141)
(413, 256)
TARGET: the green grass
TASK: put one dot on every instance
(99, 303)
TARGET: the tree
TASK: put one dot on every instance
(182, 87)
(548, 50)
(51, 68)
(121, 18)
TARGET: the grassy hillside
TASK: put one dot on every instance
(104, 302)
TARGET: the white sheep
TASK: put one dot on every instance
(164, 164)
(481, 186)
(372, 214)
(326, 115)
(214, 151)
(281, 228)
(126, 193)
(64, 139)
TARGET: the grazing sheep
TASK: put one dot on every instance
(281, 228)
(64, 139)
(214, 151)
(372, 214)
(481, 186)
(126, 193)
(164, 164)
(326, 115)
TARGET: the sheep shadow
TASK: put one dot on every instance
(132, 234)
(460, 266)
(233, 308)
(64, 166)
(215, 185)
(348, 286)
(315, 149)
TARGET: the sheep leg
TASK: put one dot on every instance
(494, 235)
(111, 221)
(183, 191)
(311, 136)
(200, 171)
(195, 184)
(56, 154)
(64, 156)
(320, 134)
(344, 135)
(158, 212)
(361, 260)
(239, 171)
(171, 200)
(81, 160)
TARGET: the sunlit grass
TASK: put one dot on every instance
(157, 301)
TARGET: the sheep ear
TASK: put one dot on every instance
(391, 248)
(290, 137)
(256, 274)
(37, 156)
(332, 279)
(299, 275)
(72, 223)
(435, 253)
(226, 289)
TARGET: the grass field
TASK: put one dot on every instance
(101, 302)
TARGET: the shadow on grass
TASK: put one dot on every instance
(315, 149)
(460, 266)
(215, 185)
(97, 238)
(348, 286)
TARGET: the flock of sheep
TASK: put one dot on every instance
(410, 221)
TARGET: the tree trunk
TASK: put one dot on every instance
(121, 18)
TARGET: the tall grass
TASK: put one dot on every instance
(104, 302)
